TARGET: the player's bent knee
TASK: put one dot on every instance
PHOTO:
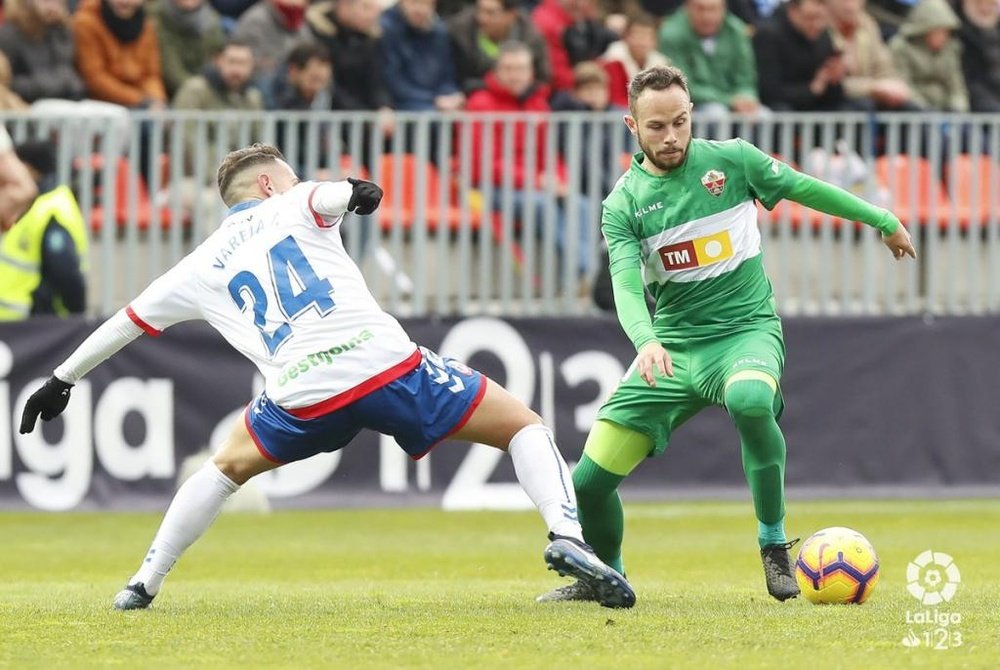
(750, 398)
(239, 458)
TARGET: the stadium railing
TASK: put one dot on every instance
(452, 239)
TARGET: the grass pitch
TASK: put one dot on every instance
(428, 589)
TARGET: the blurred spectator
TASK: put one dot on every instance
(511, 87)
(17, 188)
(349, 29)
(419, 66)
(38, 40)
(634, 52)
(928, 55)
(304, 83)
(553, 18)
(871, 80)
(272, 28)
(190, 32)
(713, 49)
(230, 11)
(478, 32)
(750, 12)
(224, 86)
(9, 100)
(980, 36)
(590, 93)
(588, 37)
(39, 44)
(118, 53)
(797, 66)
(43, 256)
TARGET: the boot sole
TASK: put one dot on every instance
(609, 587)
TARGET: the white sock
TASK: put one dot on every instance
(543, 475)
(196, 504)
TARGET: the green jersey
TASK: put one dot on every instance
(692, 237)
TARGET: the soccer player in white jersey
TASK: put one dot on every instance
(277, 284)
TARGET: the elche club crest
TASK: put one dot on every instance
(714, 181)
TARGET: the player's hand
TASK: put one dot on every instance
(365, 198)
(48, 401)
(899, 243)
(653, 357)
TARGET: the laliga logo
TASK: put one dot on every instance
(932, 577)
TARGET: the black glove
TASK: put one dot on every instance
(49, 401)
(365, 198)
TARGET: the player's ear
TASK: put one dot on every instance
(264, 182)
(630, 123)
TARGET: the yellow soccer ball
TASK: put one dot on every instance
(836, 566)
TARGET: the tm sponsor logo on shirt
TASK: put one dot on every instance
(696, 253)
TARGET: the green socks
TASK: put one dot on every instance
(600, 510)
(750, 404)
(771, 533)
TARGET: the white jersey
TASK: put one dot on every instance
(277, 283)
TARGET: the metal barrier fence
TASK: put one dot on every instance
(467, 227)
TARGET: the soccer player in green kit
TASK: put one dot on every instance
(682, 222)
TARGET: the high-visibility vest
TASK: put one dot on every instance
(21, 249)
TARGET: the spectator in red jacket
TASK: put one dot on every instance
(553, 18)
(511, 87)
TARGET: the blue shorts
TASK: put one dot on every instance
(419, 409)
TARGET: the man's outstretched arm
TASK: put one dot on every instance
(772, 180)
(171, 298)
(50, 400)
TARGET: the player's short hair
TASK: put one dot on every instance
(240, 160)
(658, 78)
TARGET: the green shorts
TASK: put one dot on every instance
(701, 369)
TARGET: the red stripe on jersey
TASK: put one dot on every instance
(149, 330)
(320, 221)
(344, 398)
(465, 418)
(256, 440)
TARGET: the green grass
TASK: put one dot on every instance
(428, 589)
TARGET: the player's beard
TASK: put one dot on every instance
(664, 161)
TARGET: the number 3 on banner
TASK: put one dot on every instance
(296, 285)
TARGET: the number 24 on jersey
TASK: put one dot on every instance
(296, 286)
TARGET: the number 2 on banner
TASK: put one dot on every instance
(296, 285)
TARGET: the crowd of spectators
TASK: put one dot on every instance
(745, 56)
(97, 59)
(91, 62)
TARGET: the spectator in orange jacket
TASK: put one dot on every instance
(118, 53)
(511, 87)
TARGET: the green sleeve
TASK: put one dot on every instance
(625, 254)
(770, 181)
